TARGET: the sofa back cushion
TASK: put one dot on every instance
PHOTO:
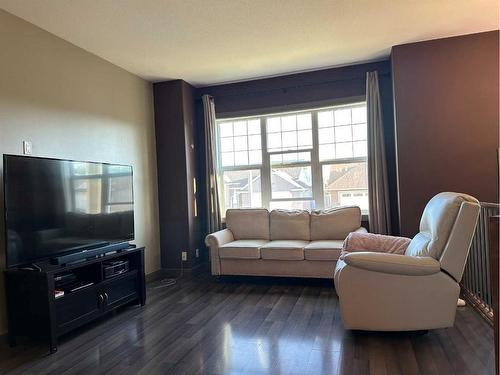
(248, 224)
(290, 225)
(335, 223)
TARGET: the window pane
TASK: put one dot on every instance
(326, 135)
(234, 143)
(343, 134)
(273, 125)
(274, 141)
(226, 129)
(289, 140)
(360, 148)
(255, 157)
(241, 158)
(359, 132)
(304, 121)
(291, 182)
(359, 115)
(325, 118)
(226, 144)
(326, 152)
(254, 142)
(342, 116)
(254, 126)
(282, 132)
(227, 159)
(240, 128)
(240, 143)
(241, 189)
(276, 159)
(288, 123)
(346, 185)
(343, 150)
(292, 205)
(290, 158)
(304, 138)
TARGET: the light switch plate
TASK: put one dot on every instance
(27, 147)
(184, 256)
(197, 252)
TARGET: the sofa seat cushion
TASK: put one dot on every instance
(242, 249)
(323, 250)
(284, 250)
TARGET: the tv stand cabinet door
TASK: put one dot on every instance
(75, 309)
(121, 290)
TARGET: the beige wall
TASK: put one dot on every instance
(72, 104)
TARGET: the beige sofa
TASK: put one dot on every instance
(281, 243)
(418, 290)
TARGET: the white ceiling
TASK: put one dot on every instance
(212, 41)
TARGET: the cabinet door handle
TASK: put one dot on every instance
(101, 299)
(106, 296)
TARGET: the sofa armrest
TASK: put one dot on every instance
(219, 238)
(393, 263)
(214, 241)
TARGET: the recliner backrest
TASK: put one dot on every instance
(446, 230)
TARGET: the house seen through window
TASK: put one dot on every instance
(306, 159)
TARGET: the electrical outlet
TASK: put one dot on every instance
(184, 256)
(27, 147)
(197, 252)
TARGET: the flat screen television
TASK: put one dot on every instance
(56, 207)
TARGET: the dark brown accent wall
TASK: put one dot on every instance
(446, 119)
(176, 160)
(306, 90)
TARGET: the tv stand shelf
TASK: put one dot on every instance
(34, 311)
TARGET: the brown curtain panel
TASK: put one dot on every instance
(213, 208)
(378, 192)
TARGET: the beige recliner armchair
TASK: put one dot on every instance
(418, 290)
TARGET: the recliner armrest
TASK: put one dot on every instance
(219, 238)
(393, 263)
(361, 230)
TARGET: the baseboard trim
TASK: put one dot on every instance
(176, 272)
(155, 276)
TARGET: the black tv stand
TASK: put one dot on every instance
(33, 310)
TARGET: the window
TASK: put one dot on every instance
(240, 143)
(307, 159)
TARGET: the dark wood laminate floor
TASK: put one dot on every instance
(252, 326)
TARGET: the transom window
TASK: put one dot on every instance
(307, 159)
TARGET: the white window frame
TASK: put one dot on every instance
(265, 166)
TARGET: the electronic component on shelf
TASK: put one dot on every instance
(58, 293)
(115, 268)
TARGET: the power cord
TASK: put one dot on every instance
(165, 283)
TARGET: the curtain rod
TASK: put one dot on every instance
(284, 89)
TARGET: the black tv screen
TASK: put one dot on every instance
(55, 207)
